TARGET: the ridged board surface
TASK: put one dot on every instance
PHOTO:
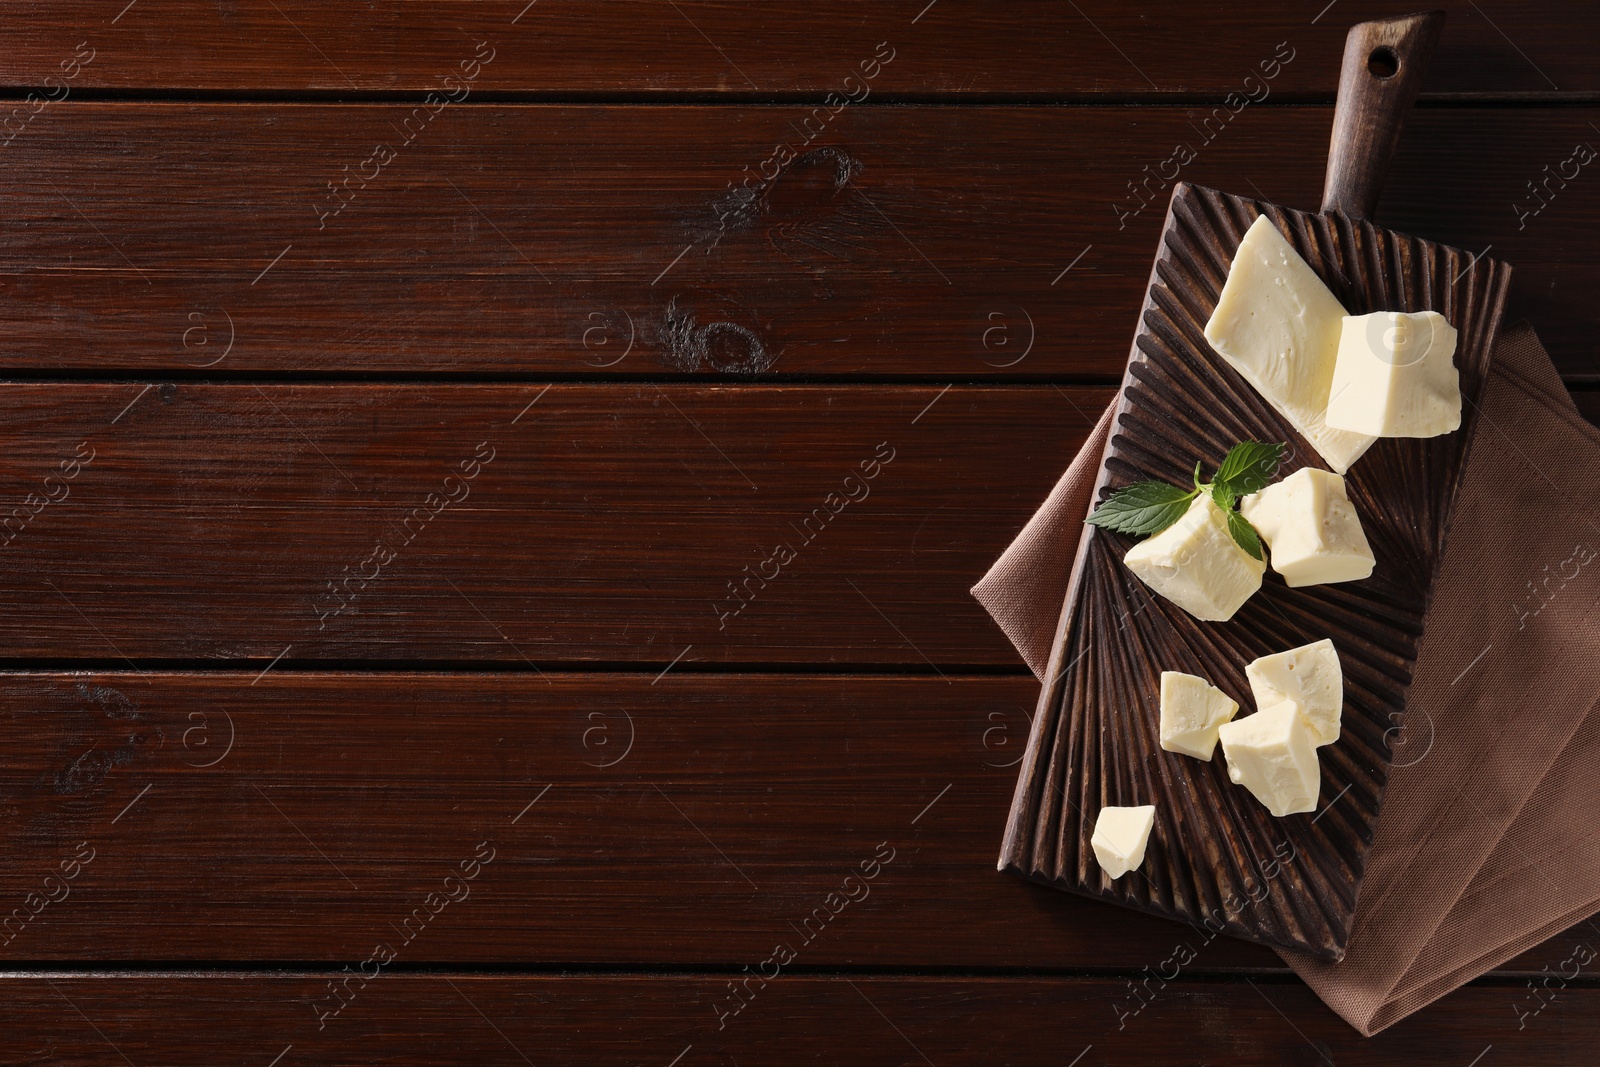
(1217, 858)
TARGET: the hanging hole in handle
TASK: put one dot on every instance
(1383, 64)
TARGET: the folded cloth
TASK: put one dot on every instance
(1489, 840)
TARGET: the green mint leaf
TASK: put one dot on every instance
(1244, 533)
(1248, 467)
(1142, 508)
(1223, 494)
(1197, 484)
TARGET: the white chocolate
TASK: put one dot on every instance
(1120, 837)
(1396, 376)
(1311, 527)
(1196, 564)
(1191, 710)
(1271, 754)
(1309, 678)
(1278, 325)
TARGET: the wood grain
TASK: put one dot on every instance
(656, 791)
(653, 48)
(405, 1019)
(161, 230)
(690, 820)
(170, 238)
(1588, 404)
(1384, 66)
(1221, 859)
(519, 524)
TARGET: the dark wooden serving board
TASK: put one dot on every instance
(1217, 857)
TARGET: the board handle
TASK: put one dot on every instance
(1384, 63)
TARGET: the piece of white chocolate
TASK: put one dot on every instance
(1396, 376)
(1311, 527)
(1120, 837)
(1191, 710)
(1196, 563)
(1309, 678)
(1278, 325)
(1271, 754)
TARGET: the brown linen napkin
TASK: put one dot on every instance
(1488, 841)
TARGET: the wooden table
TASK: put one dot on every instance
(486, 577)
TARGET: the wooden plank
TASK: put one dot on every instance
(151, 893)
(1554, 956)
(208, 521)
(407, 1018)
(652, 48)
(520, 524)
(625, 820)
(957, 242)
(265, 793)
(262, 798)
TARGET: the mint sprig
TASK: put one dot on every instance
(1146, 508)
(1244, 534)
(1143, 508)
(1249, 466)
